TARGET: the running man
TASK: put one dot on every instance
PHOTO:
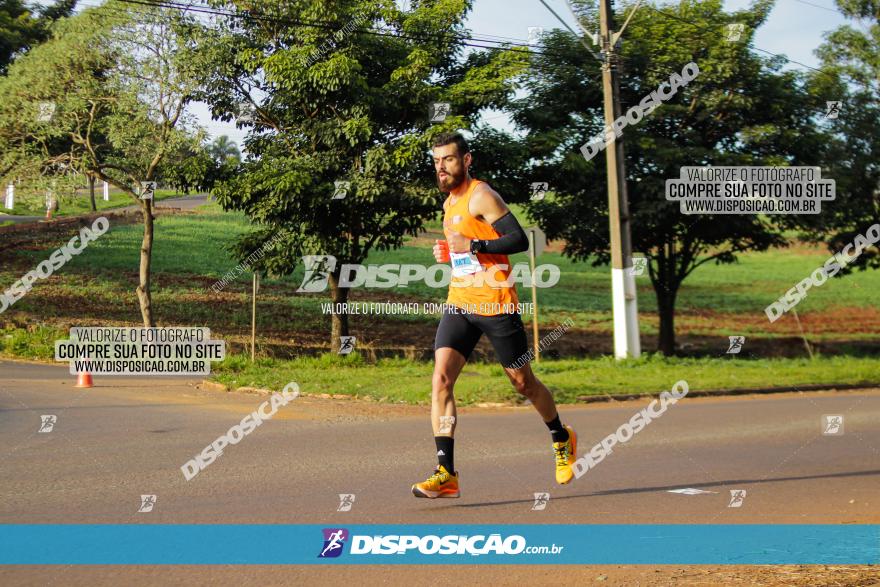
(333, 542)
(480, 232)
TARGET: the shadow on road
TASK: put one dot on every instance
(677, 486)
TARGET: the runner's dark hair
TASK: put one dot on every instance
(447, 138)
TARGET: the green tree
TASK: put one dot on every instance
(851, 75)
(340, 91)
(117, 82)
(224, 152)
(203, 167)
(740, 110)
(23, 26)
(194, 168)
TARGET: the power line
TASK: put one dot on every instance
(255, 15)
(252, 15)
(579, 37)
(776, 55)
(721, 27)
(470, 41)
(818, 6)
(142, 7)
(623, 298)
(208, 12)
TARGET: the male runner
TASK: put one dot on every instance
(480, 232)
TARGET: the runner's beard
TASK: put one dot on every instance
(452, 181)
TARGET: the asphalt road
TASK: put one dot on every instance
(129, 436)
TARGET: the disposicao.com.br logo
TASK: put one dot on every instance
(334, 541)
(388, 275)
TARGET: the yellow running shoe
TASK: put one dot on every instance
(566, 453)
(441, 484)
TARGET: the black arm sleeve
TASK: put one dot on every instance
(513, 238)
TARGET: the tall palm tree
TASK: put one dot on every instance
(222, 150)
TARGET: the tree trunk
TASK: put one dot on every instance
(92, 193)
(340, 321)
(143, 289)
(666, 312)
(665, 280)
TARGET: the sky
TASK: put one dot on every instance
(795, 29)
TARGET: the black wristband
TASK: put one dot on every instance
(477, 246)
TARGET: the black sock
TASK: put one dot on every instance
(445, 452)
(557, 431)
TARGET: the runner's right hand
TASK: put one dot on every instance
(441, 251)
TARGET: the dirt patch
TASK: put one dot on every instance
(839, 320)
(789, 575)
(30, 235)
(378, 336)
(502, 575)
(181, 299)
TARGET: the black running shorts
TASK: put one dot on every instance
(461, 331)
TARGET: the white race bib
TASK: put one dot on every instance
(464, 264)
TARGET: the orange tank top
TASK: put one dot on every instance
(480, 283)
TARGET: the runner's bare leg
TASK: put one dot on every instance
(448, 364)
(527, 384)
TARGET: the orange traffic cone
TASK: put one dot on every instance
(84, 379)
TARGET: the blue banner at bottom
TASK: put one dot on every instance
(271, 544)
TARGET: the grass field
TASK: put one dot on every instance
(190, 253)
(841, 319)
(567, 379)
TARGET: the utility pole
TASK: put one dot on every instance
(623, 285)
(254, 316)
